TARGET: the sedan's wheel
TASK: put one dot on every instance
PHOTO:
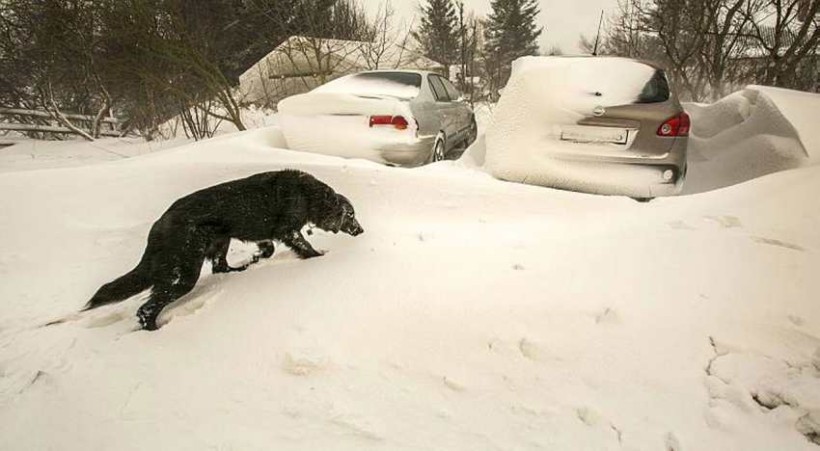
(438, 150)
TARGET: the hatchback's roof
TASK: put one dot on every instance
(643, 61)
(408, 71)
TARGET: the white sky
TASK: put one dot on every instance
(563, 20)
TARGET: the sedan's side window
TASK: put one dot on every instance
(438, 88)
(452, 91)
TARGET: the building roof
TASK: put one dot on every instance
(297, 56)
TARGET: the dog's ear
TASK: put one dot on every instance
(329, 200)
(344, 203)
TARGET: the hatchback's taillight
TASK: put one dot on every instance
(675, 126)
(398, 122)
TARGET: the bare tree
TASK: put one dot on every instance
(711, 46)
(468, 55)
(49, 52)
(384, 46)
(786, 35)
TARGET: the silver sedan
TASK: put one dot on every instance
(397, 117)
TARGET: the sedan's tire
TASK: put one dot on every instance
(438, 149)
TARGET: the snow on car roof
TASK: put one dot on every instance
(399, 84)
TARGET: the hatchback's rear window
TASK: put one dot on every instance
(405, 85)
(656, 89)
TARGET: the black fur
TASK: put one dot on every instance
(261, 208)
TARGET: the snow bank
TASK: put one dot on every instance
(473, 314)
(29, 154)
(751, 133)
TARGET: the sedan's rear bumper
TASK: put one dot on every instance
(413, 153)
(351, 137)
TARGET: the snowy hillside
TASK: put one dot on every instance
(472, 314)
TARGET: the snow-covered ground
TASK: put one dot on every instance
(472, 314)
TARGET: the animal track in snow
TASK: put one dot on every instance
(529, 349)
(672, 442)
(302, 365)
(680, 225)
(452, 385)
(727, 222)
(608, 316)
(778, 243)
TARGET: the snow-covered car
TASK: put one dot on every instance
(397, 117)
(604, 125)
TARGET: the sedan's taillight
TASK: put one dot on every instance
(675, 126)
(398, 122)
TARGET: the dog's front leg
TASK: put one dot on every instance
(266, 249)
(296, 241)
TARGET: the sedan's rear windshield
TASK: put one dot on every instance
(404, 85)
(656, 89)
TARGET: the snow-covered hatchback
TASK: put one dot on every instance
(398, 117)
(595, 124)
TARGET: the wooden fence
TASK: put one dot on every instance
(9, 121)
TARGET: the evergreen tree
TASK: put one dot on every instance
(438, 32)
(511, 32)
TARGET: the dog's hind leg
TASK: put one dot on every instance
(174, 274)
(162, 295)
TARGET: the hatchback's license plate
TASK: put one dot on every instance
(593, 135)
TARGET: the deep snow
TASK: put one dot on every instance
(472, 314)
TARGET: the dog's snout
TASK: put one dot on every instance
(353, 228)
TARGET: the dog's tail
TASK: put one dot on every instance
(121, 288)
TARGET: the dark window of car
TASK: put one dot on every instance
(404, 78)
(656, 89)
(438, 88)
(452, 91)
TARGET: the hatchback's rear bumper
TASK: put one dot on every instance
(633, 175)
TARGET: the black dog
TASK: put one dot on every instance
(261, 208)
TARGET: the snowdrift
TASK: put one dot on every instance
(472, 314)
(751, 133)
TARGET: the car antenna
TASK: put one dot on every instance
(598, 36)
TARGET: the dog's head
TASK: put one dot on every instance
(337, 214)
